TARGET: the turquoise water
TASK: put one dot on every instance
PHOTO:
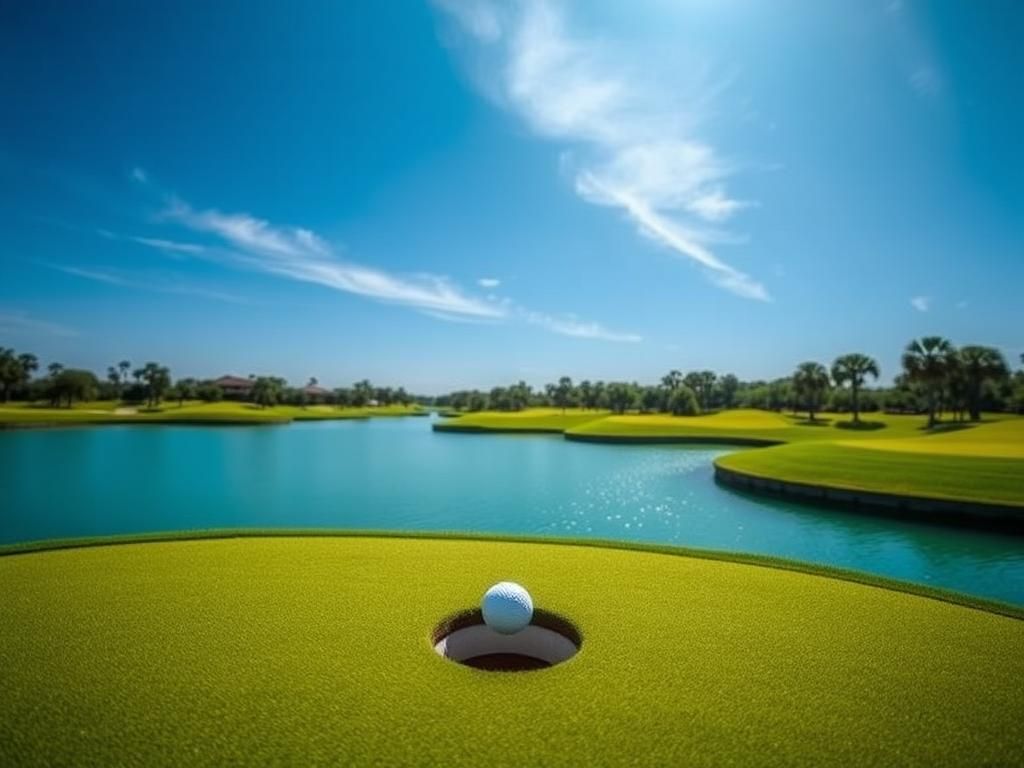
(398, 474)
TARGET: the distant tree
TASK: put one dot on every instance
(362, 393)
(124, 366)
(585, 390)
(854, 368)
(209, 393)
(977, 365)
(672, 380)
(728, 385)
(157, 379)
(477, 401)
(519, 395)
(562, 394)
(402, 397)
(186, 389)
(927, 362)
(621, 397)
(71, 384)
(683, 402)
(15, 370)
(811, 383)
(342, 397)
(266, 391)
(313, 381)
(54, 369)
(707, 388)
(114, 377)
(652, 399)
(498, 399)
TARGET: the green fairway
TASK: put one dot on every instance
(194, 412)
(530, 420)
(928, 475)
(316, 651)
(982, 463)
(891, 454)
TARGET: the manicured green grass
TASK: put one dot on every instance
(316, 651)
(530, 420)
(983, 463)
(894, 454)
(227, 412)
(927, 475)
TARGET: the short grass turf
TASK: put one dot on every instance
(892, 454)
(983, 463)
(192, 412)
(315, 651)
(529, 420)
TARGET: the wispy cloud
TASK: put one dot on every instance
(635, 152)
(18, 323)
(570, 325)
(921, 303)
(95, 275)
(488, 282)
(169, 245)
(302, 255)
(148, 282)
(138, 174)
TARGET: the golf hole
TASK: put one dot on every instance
(548, 640)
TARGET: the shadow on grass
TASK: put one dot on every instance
(815, 423)
(942, 428)
(865, 426)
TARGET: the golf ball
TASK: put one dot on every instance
(507, 607)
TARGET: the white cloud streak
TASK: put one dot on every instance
(157, 283)
(637, 154)
(921, 303)
(300, 254)
(570, 325)
(18, 323)
(488, 282)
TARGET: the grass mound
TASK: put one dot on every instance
(889, 454)
(190, 412)
(316, 651)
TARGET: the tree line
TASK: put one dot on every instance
(936, 378)
(151, 384)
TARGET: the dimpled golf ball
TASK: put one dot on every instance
(507, 607)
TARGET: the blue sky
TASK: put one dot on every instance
(465, 194)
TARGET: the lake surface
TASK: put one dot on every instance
(398, 474)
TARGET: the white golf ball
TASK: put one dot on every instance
(507, 607)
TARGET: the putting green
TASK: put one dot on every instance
(315, 651)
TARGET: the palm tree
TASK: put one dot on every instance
(980, 364)
(927, 361)
(811, 383)
(854, 368)
(157, 378)
(266, 391)
(672, 380)
(124, 366)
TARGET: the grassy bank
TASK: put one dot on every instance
(191, 412)
(891, 454)
(552, 420)
(315, 651)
